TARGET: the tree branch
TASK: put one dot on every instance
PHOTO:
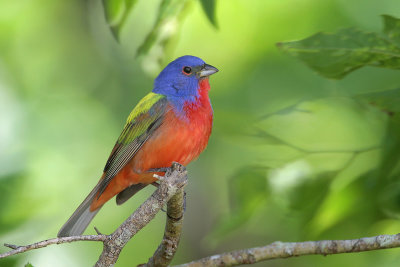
(175, 179)
(173, 228)
(279, 250)
(45, 243)
(171, 191)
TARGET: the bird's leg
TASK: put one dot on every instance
(163, 169)
(175, 166)
(158, 177)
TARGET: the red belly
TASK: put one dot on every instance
(177, 139)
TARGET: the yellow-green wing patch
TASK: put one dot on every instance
(145, 118)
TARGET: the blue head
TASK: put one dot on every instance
(181, 77)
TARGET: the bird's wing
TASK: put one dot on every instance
(145, 118)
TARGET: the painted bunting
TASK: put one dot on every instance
(172, 123)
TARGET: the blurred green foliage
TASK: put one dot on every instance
(293, 156)
(209, 9)
(163, 29)
(336, 55)
(116, 12)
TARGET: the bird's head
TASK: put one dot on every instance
(181, 77)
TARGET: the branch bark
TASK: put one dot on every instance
(171, 191)
(172, 234)
(45, 243)
(173, 181)
(279, 250)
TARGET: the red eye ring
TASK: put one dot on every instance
(187, 70)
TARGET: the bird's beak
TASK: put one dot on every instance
(207, 70)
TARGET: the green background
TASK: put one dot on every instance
(293, 156)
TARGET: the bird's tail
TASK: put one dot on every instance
(81, 218)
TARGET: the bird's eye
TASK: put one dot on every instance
(187, 70)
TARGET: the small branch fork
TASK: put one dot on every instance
(173, 228)
(45, 243)
(170, 192)
(280, 250)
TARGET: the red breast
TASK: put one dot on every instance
(178, 139)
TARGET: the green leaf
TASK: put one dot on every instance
(116, 12)
(246, 187)
(389, 200)
(165, 26)
(209, 9)
(267, 138)
(387, 101)
(392, 28)
(247, 192)
(388, 169)
(11, 216)
(334, 55)
(351, 126)
(305, 199)
(10, 261)
(333, 207)
(28, 265)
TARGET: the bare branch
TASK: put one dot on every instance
(171, 191)
(279, 250)
(173, 228)
(45, 243)
(175, 179)
(97, 230)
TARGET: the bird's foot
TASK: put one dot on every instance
(176, 166)
(159, 177)
(164, 169)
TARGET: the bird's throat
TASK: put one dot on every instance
(204, 85)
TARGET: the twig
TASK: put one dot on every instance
(171, 191)
(278, 250)
(174, 180)
(45, 243)
(11, 246)
(173, 228)
(97, 230)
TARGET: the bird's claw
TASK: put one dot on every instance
(175, 166)
(178, 167)
(159, 177)
(163, 169)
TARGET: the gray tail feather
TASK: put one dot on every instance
(127, 193)
(81, 218)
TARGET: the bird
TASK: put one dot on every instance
(172, 123)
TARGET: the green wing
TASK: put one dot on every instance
(145, 118)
